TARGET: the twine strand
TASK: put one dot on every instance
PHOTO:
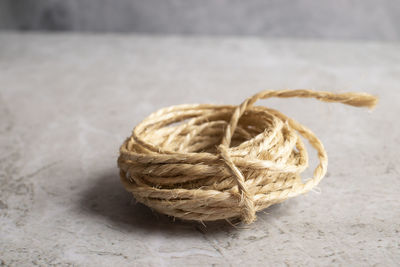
(207, 162)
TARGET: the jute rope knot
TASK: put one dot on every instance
(208, 162)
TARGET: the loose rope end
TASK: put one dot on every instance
(362, 100)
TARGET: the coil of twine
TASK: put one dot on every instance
(210, 162)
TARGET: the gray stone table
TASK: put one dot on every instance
(68, 101)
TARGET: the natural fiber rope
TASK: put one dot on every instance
(208, 162)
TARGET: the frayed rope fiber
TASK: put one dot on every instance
(210, 162)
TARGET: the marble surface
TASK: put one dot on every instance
(68, 101)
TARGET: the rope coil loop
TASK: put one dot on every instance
(208, 162)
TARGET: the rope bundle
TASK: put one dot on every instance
(208, 162)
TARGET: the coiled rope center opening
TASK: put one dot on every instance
(209, 162)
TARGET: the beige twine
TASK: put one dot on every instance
(208, 162)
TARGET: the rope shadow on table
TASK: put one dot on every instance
(106, 198)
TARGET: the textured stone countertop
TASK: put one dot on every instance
(68, 101)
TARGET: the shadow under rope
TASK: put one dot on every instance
(107, 198)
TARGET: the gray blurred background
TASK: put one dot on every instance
(339, 19)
